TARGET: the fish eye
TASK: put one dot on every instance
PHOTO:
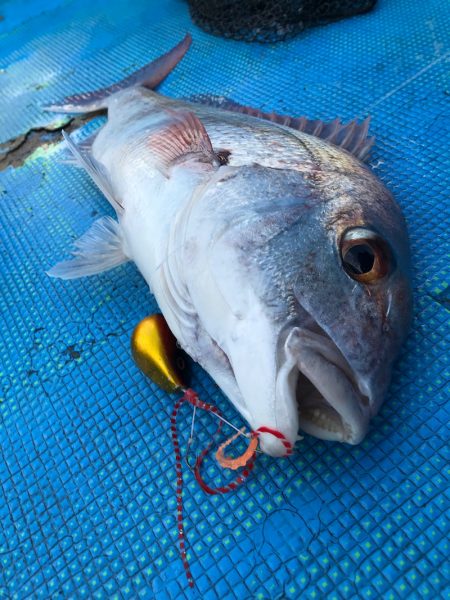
(364, 255)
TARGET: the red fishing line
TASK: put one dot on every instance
(278, 435)
(191, 397)
(179, 489)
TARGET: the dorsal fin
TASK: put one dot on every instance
(352, 136)
(183, 137)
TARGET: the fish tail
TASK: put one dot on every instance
(148, 76)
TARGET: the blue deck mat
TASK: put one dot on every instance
(87, 477)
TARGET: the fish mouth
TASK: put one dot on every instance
(331, 403)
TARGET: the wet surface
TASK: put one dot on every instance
(87, 473)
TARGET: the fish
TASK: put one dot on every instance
(280, 262)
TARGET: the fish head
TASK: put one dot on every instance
(313, 272)
(353, 295)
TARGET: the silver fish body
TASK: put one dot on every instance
(257, 242)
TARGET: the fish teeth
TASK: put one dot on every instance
(321, 418)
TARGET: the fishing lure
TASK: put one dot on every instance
(240, 461)
(156, 353)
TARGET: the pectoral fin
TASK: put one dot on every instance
(183, 138)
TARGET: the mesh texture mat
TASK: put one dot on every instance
(87, 475)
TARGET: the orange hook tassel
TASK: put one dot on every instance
(239, 461)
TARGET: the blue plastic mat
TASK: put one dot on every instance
(87, 477)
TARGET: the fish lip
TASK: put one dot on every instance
(330, 400)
